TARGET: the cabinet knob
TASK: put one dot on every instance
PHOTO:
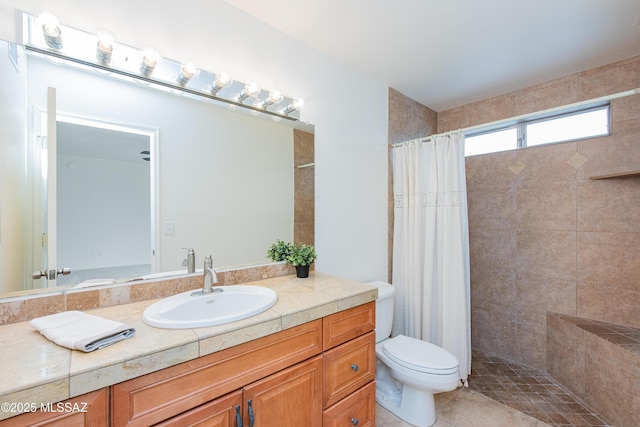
(354, 367)
(354, 421)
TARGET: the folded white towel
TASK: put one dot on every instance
(80, 331)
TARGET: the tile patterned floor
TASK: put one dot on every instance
(531, 392)
(466, 408)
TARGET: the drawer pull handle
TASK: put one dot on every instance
(238, 416)
(355, 368)
(252, 418)
(354, 421)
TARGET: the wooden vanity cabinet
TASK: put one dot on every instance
(159, 396)
(91, 409)
(319, 374)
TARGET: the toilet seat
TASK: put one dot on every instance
(420, 355)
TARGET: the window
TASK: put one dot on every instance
(500, 140)
(587, 123)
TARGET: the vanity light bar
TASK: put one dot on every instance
(51, 39)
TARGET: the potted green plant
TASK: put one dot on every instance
(301, 256)
(279, 251)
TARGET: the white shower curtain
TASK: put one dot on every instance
(431, 244)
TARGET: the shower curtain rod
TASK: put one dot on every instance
(515, 119)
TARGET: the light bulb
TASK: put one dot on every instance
(104, 48)
(275, 97)
(250, 90)
(295, 105)
(51, 30)
(187, 71)
(150, 58)
(221, 81)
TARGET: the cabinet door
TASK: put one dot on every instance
(91, 409)
(221, 412)
(290, 398)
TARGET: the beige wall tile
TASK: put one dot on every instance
(617, 153)
(455, 118)
(492, 249)
(494, 290)
(554, 295)
(609, 205)
(609, 258)
(494, 333)
(612, 381)
(83, 300)
(408, 119)
(546, 253)
(566, 357)
(548, 95)
(609, 303)
(548, 163)
(550, 206)
(627, 108)
(493, 207)
(491, 170)
(531, 340)
(608, 79)
(492, 109)
(304, 184)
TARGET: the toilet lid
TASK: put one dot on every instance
(420, 355)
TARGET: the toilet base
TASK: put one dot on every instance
(414, 406)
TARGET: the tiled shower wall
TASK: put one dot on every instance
(304, 198)
(543, 236)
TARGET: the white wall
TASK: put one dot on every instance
(103, 215)
(348, 108)
(13, 175)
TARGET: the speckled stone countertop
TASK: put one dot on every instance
(35, 370)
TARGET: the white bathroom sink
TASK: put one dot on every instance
(224, 305)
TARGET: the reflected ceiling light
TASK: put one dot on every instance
(187, 71)
(51, 30)
(295, 105)
(104, 48)
(274, 98)
(250, 90)
(221, 81)
(150, 58)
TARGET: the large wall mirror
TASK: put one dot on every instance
(140, 175)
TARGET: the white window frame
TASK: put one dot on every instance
(521, 126)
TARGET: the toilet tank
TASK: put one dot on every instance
(384, 309)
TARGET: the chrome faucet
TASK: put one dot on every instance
(190, 261)
(210, 276)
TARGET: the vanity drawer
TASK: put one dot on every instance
(347, 368)
(349, 324)
(357, 409)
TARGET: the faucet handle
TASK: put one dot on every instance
(208, 262)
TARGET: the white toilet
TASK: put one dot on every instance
(409, 371)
